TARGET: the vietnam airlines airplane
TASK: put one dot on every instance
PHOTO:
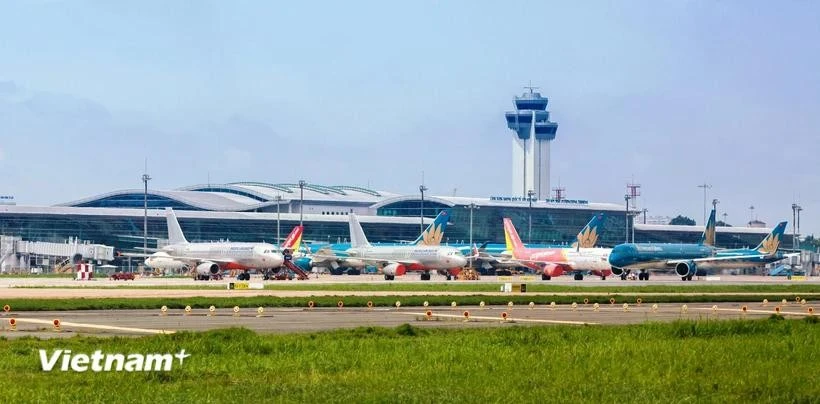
(424, 255)
(208, 259)
(687, 259)
(582, 257)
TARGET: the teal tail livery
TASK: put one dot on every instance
(771, 243)
(708, 237)
(434, 233)
(588, 237)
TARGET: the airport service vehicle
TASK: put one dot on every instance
(688, 259)
(122, 276)
(424, 255)
(550, 262)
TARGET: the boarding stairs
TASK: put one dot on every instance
(300, 274)
(65, 266)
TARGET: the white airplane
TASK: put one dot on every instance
(208, 259)
(398, 259)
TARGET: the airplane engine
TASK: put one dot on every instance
(207, 269)
(304, 263)
(617, 271)
(353, 263)
(687, 268)
(556, 269)
(394, 269)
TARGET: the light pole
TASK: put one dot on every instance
(794, 225)
(705, 187)
(799, 208)
(422, 188)
(644, 215)
(301, 199)
(145, 179)
(472, 206)
(725, 215)
(626, 229)
(278, 199)
(530, 193)
(751, 214)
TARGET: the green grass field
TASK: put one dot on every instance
(361, 301)
(771, 360)
(540, 286)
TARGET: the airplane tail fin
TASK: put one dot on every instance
(511, 237)
(433, 234)
(588, 236)
(770, 244)
(175, 235)
(294, 239)
(708, 237)
(357, 237)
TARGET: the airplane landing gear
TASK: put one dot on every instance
(545, 277)
(389, 277)
(425, 276)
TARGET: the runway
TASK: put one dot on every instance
(290, 320)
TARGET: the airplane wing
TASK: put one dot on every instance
(386, 261)
(200, 259)
(716, 259)
(342, 258)
(137, 255)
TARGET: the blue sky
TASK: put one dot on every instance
(671, 94)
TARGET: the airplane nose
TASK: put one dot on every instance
(277, 259)
(614, 259)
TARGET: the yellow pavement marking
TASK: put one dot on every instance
(96, 326)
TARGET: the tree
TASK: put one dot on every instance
(810, 239)
(682, 220)
(722, 224)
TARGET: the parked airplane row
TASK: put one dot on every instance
(427, 255)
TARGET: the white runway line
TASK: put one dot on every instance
(95, 326)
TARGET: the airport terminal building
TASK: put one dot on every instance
(262, 211)
(251, 211)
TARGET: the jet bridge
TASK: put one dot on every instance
(17, 254)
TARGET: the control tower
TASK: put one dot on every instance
(531, 144)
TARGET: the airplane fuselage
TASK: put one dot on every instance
(656, 256)
(651, 256)
(427, 257)
(229, 255)
(555, 261)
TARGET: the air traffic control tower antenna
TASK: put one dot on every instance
(531, 144)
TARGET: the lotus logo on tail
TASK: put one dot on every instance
(769, 244)
(432, 236)
(587, 238)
